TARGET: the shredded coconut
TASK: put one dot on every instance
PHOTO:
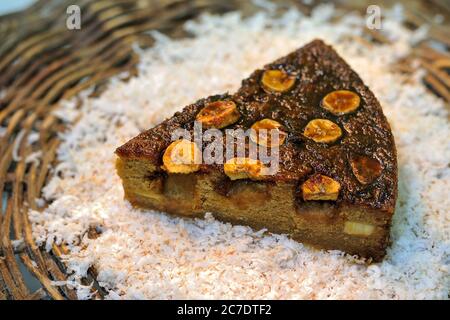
(18, 244)
(2, 131)
(146, 254)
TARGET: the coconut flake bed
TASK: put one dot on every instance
(147, 254)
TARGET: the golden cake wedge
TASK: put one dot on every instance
(335, 183)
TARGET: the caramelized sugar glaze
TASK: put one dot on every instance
(312, 73)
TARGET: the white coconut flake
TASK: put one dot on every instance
(147, 255)
(18, 244)
(83, 292)
(2, 131)
(34, 157)
(16, 145)
(265, 4)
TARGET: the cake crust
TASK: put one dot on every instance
(368, 199)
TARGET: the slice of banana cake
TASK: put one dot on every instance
(328, 173)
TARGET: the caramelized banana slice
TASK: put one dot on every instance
(181, 156)
(358, 228)
(341, 102)
(365, 169)
(218, 114)
(264, 138)
(277, 81)
(243, 168)
(320, 187)
(322, 130)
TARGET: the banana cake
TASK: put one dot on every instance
(335, 183)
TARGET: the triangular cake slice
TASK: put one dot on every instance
(335, 185)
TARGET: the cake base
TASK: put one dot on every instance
(260, 205)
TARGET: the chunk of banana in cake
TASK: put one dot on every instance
(322, 130)
(182, 156)
(341, 102)
(243, 168)
(365, 169)
(264, 138)
(218, 114)
(358, 228)
(277, 81)
(320, 187)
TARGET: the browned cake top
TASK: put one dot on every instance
(362, 158)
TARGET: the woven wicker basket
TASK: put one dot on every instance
(42, 62)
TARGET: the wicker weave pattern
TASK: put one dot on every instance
(42, 62)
